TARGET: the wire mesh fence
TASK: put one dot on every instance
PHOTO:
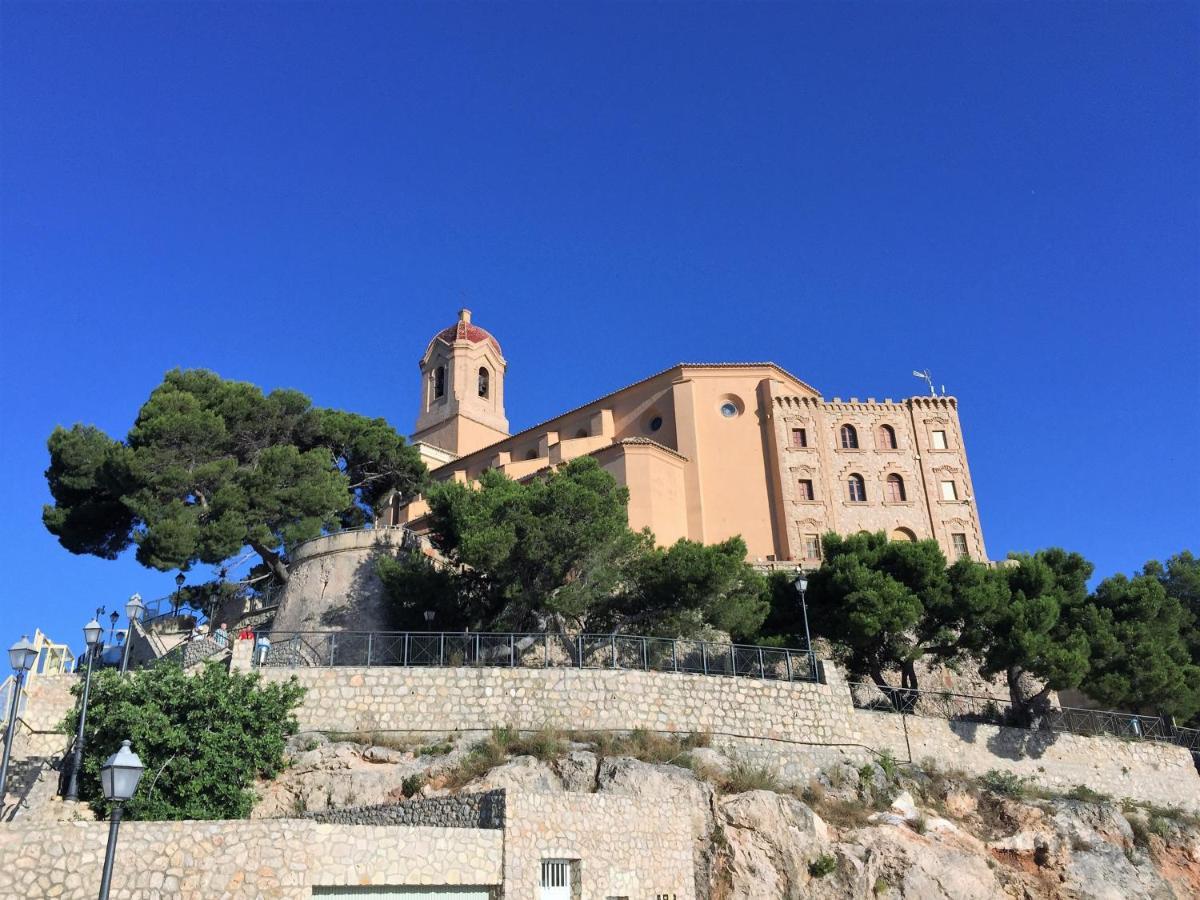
(531, 650)
(1000, 711)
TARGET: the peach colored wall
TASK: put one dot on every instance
(709, 477)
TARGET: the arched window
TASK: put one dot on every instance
(895, 489)
(858, 489)
(904, 535)
(484, 378)
(439, 382)
(887, 437)
(849, 438)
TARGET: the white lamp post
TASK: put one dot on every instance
(21, 656)
(93, 631)
(119, 777)
(133, 612)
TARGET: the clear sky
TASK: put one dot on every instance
(301, 194)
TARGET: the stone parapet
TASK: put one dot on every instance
(277, 858)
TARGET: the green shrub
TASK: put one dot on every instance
(1087, 795)
(823, 865)
(439, 749)
(1160, 826)
(1007, 784)
(412, 784)
(204, 739)
(888, 763)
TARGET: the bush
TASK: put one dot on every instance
(888, 763)
(823, 865)
(412, 784)
(203, 738)
(1085, 794)
(744, 777)
(1006, 784)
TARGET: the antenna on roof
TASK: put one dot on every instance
(927, 378)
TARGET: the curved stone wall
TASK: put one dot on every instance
(333, 585)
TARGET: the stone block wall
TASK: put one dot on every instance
(481, 809)
(1143, 770)
(625, 847)
(795, 727)
(277, 858)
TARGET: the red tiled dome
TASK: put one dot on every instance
(463, 330)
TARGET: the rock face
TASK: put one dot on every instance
(859, 833)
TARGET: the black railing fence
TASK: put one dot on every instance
(999, 711)
(531, 650)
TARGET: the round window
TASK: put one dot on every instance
(728, 409)
(656, 423)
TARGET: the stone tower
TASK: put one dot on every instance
(462, 392)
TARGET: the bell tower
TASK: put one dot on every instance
(462, 390)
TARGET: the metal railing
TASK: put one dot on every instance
(165, 607)
(531, 650)
(999, 711)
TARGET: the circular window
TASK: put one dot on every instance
(728, 409)
(656, 423)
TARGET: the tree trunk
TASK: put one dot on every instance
(894, 697)
(273, 560)
(1028, 712)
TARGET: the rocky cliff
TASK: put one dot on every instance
(879, 830)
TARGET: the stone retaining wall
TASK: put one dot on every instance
(625, 847)
(277, 858)
(796, 727)
(482, 809)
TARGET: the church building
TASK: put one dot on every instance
(712, 450)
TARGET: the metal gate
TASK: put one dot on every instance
(556, 879)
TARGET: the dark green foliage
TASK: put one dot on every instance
(203, 738)
(885, 603)
(1031, 619)
(212, 466)
(825, 864)
(1180, 578)
(1140, 658)
(557, 552)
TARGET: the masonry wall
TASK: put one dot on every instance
(798, 728)
(625, 847)
(278, 858)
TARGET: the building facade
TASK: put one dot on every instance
(709, 451)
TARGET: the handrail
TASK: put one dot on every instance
(999, 711)
(531, 650)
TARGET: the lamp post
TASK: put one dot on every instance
(802, 589)
(93, 631)
(133, 612)
(179, 580)
(21, 655)
(119, 777)
(429, 614)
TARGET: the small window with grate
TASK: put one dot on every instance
(799, 437)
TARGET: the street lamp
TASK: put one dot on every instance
(802, 589)
(93, 631)
(119, 777)
(429, 617)
(133, 612)
(21, 656)
(179, 580)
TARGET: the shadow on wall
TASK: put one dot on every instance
(1006, 742)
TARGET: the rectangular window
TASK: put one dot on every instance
(799, 437)
(939, 440)
(960, 545)
(812, 546)
(949, 490)
(806, 489)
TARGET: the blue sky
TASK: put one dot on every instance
(300, 194)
